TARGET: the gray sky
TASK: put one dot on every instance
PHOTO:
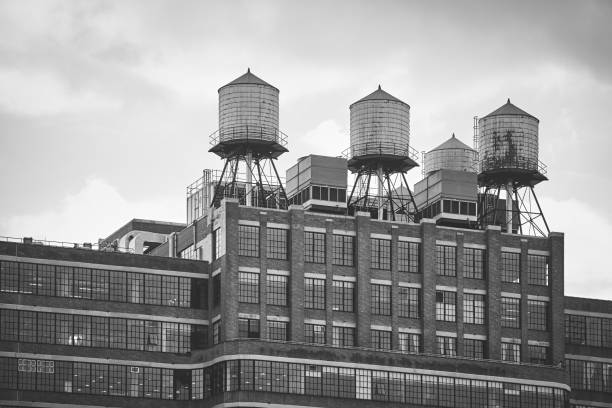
(106, 106)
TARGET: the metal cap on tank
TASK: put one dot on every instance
(248, 110)
(451, 155)
(380, 126)
(508, 141)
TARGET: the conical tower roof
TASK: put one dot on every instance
(248, 79)
(380, 95)
(510, 109)
(452, 143)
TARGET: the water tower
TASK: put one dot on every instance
(249, 140)
(379, 156)
(448, 192)
(509, 169)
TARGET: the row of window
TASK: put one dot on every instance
(588, 331)
(343, 250)
(101, 284)
(99, 331)
(449, 207)
(590, 375)
(276, 377)
(323, 193)
(409, 304)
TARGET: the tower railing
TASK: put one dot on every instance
(517, 162)
(246, 133)
(379, 148)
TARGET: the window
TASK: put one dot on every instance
(216, 283)
(380, 253)
(446, 345)
(511, 267)
(473, 308)
(474, 348)
(189, 253)
(538, 354)
(409, 302)
(343, 296)
(591, 331)
(408, 256)
(248, 240)
(276, 290)
(277, 330)
(277, 243)
(446, 260)
(153, 289)
(248, 291)
(9, 325)
(170, 291)
(474, 261)
(537, 270)
(314, 293)
(511, 312)
(135, 287)
(314, 333)
(380, 339)
(314, 247)
(446, 305)
(511, 352)
(409, 342)
(9, 276)
(46, 280)
(82, 283)
(343, 250)
(380, 299)
(343, 336)
(538, 314)
(248, 328)
(27, 278)
(216, 331)
(218, 244)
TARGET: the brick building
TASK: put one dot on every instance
(247, 306)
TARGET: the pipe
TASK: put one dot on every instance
(509, 207)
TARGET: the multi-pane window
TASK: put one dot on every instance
(474, 348)
(511, 267)
(97, 284)
(446, 345)
(446, 305)
(98, 331)
(248, 240)
(409, 302)
(319, 380)
(408, 256)
(511, 312)
(537, 270)
(590, 331)
(538, 314)
(314, 333)
(277, 330)
(314, 293)
(538, 354)
(409, 342)
(380, 339)
(343, 250)
(248, 290)
(248, 328)
(314, 247)
(380, 253)
(276, 290)
(474, 262)
(511, 352)
(277, 243)
(446, 260)
(473, 308)
(343, 336)
(380, 299)
(344, 293)
(216, 332)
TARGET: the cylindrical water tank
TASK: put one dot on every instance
(248, 110)
(380, 126)
(451, 155)
(508, 140)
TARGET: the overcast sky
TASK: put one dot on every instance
(106, 106)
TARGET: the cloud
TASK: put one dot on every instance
(94, 212)
(588, 238)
